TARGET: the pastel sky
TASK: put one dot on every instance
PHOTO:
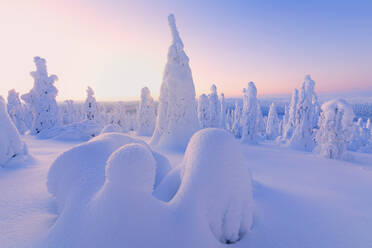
(119, 46)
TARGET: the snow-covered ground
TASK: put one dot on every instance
(300, 200)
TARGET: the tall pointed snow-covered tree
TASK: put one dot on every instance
(335, 129)
(203, 111)
(214, 107)
(177, 118)
(236, 127)
(11, 144)
(272, 126)
(91, 107)
(223, 112)
(16, 111)
(42, 98)
(146, 114)
(249, 115)
(303, 135)
(291, 119)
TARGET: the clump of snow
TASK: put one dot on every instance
(11, 145)
(16, 111)
(177, 118)
(146, 115)
(81, 171)
(249, 115)
(336, 129)
(111, 128)
(42, 99)
(217, 183)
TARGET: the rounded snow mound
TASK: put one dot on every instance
(111, 128)
(132, 167)
(81, 131)
(80, 172)
(216, 180)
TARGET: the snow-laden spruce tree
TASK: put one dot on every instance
(236, 127)
(68, 112)
(214, 107)
(303, 134)
(291, 119)
(11, 144)
(203, 111)
(223, 112)
(249, 115)
(272, 126)
(91, 108)
(261, 123)
(177, 118)
(335, 129)
(146, 114)
(16, 111)
(42, 98)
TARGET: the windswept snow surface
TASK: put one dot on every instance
(299, 200)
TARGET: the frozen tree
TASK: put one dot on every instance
(223, 112)
(68, 114)
(203, 111)
(42, 98)
(249, 115)
(177, 118)
(11, 144)
(236, 128)
(261, 123)
(317, 110)
(16, 111)
(368, 124)
(335, 129)
(214, 107)
(146, 114)
(91, 108)
(303, 135)
(291, 119)
(272, 126)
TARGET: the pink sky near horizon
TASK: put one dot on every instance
(118, 49)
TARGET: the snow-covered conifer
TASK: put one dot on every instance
(272, 126)
(214, 107)
(261, 123)
(203, 111)
(11, 144)
(249, 115)
(291, 119)
(236, 127)
(223, 112)
(91, 108)
(146, 114)
(177, 118)
(68, 112)
(16, 111)
(303, 135)
(42, 98)
(335, 129)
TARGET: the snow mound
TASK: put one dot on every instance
(111, 128)
(80, 131)
(11, 145)
(80, 171)
(216, 182)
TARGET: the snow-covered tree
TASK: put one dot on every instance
(236, 127)
(335, 129)
(16, 111)
(368, 124)
(203, 111)
(272, 126)
(177, 118)
(223, 112)
(261, 123)
(11, 144)
(146, 114)
(91, 108)
(42, 98)
(291, 118)
(249, 115)
(303, 135)
(214, 107)
(68, 112)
